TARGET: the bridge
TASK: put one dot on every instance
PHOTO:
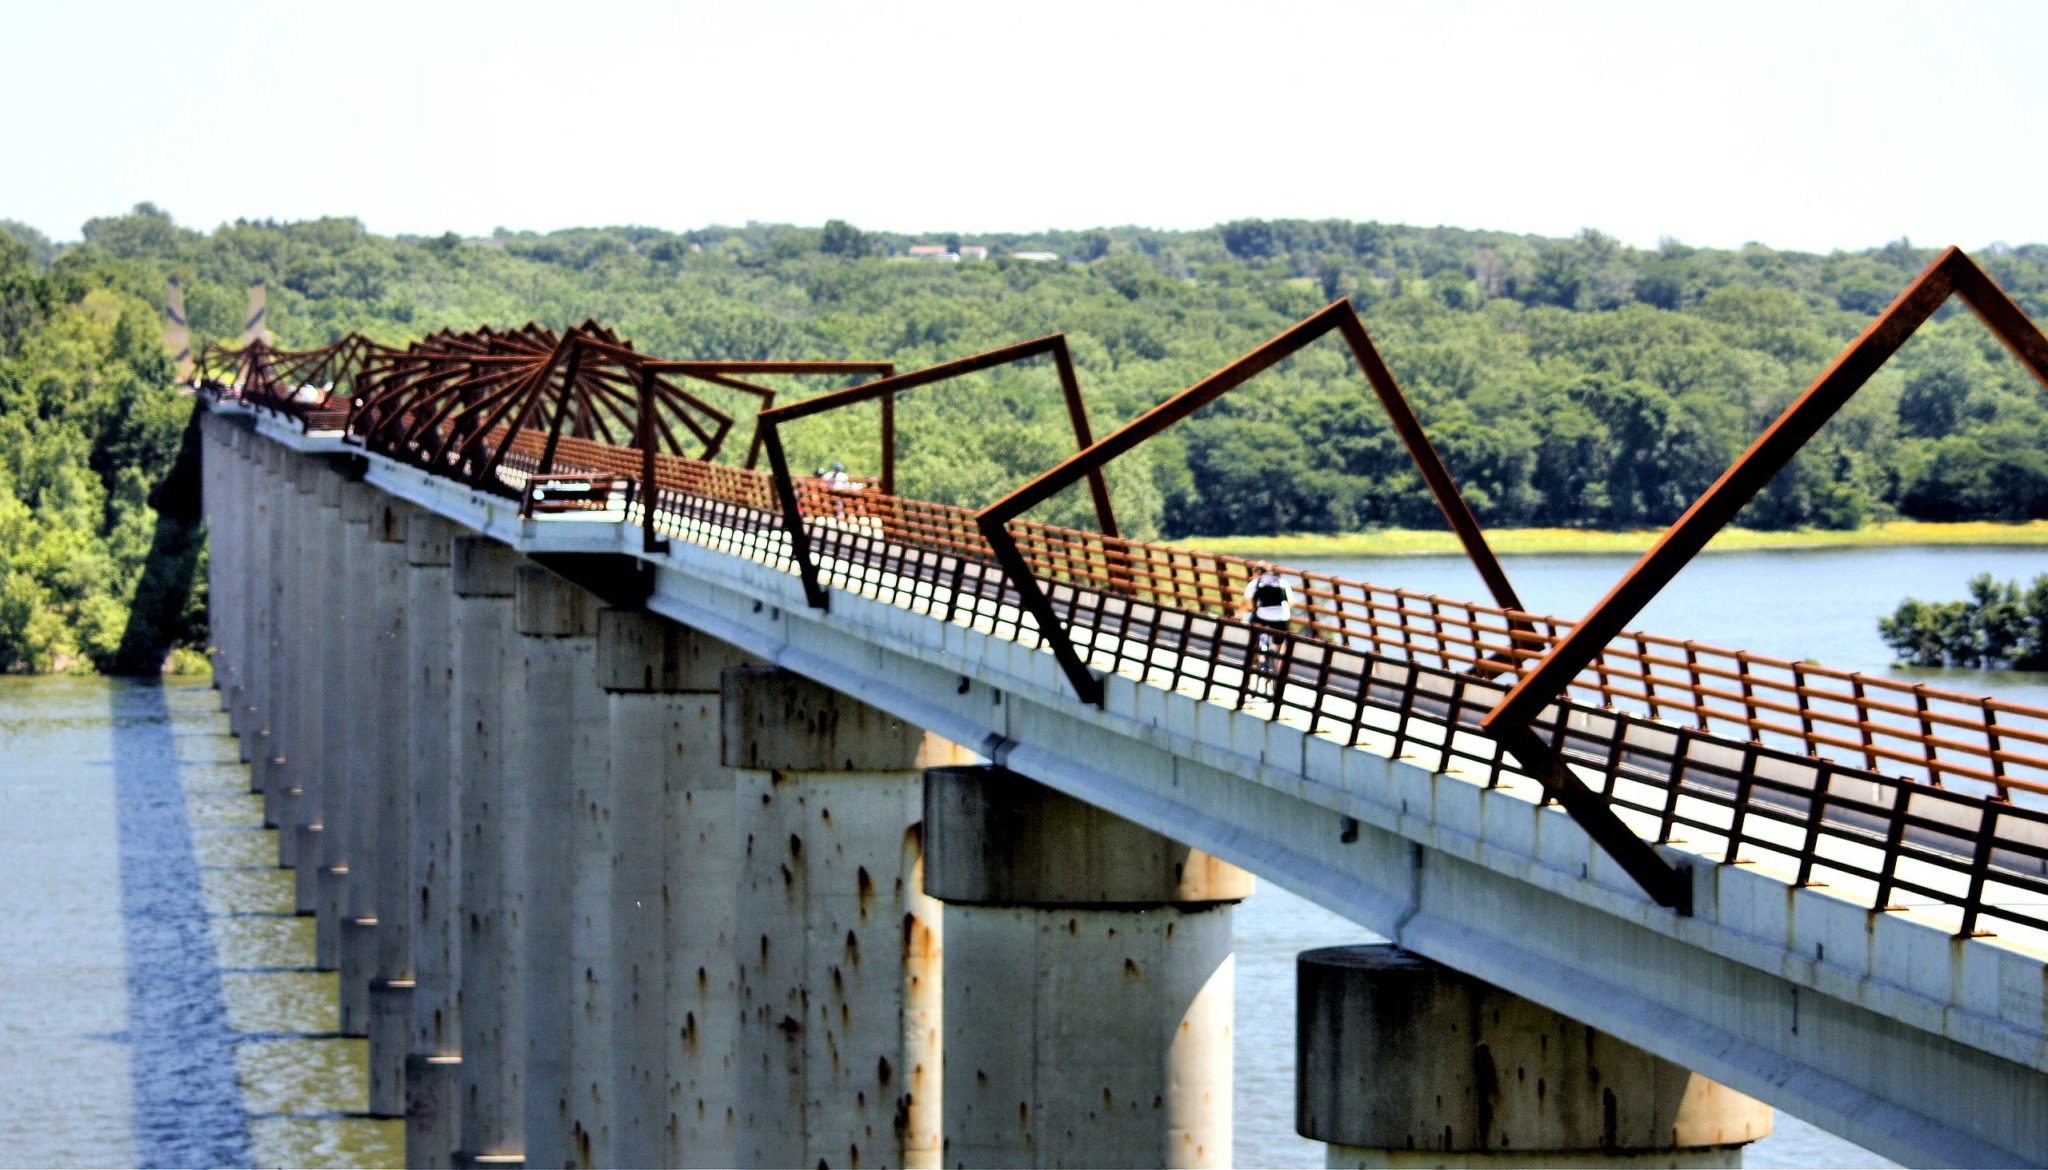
(658, 809)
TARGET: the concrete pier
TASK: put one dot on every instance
(559, 720)
(492, 1038)
(674, 873)
(313, 687)
(839, 955)
(1404, 1062)
(334, 714)
(218, 502)
(296, 684)
(389, 699)
(256, 736)
(351, 867)
(432, 1072)
(593, 862)
(1089, 980)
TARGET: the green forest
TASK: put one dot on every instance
(1569, 382)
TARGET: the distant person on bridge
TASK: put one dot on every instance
(1271, 605)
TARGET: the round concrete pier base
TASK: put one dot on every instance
(1089, 980)
(1709, 1158)
(390, 1033)
(433, 1110)
(1404, 1062)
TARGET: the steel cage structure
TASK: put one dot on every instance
(721, 373)
(1512, 721)
(886, 389)
(1339, 316)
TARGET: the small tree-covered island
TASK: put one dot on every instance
(1569, 383)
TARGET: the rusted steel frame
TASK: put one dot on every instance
(994, 520)
(600, 389)
(397, 375)
(396, 395)
(712, 440)
(1077, 415)
(766, 395)
(422, 414)
(1669, 885)
(1953, 273)
(620, 387)
(650, 488)
(528, 397)
(793, 522)
(622, 354)
(1894, 838)
(562, 401)
(1997, 753)
(886, 388)
(770, 420)
(465, 391)
(1980, 871)
(716, 373)
(430, 397)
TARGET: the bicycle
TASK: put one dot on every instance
(1265, 659)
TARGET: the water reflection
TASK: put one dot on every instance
(158, 1005)
(187, 1103)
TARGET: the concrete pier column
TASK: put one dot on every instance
(390, 700)
(262, 594)
(557, 748)
(491, 1015)
(349, 876)
(297, 684)
(224, 559)
(314, 687)
(674, 893)
(334, 712)
(1404, 1062)
(1089, 980)
(280, 790)
(433, 1072)
(241, 620)
(839, 950)
(282, 494)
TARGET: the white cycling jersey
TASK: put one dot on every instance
(1272, 609)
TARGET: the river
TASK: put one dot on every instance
(157, 1002)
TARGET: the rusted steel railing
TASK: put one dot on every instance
(1835, 776)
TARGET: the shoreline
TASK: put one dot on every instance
(1516, 541)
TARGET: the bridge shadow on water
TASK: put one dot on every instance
(162, 614)
(187, 1102)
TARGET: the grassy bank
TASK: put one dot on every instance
(1424, 542)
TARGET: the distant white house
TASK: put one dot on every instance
(1035, 257)
(942, 252)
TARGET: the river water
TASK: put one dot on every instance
(157, 1000)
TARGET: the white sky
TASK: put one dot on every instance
(1809, 126)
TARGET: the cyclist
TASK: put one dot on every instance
(1271, 605)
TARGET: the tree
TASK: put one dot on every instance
(841, 238)
(1997, 625)
(1093, 245)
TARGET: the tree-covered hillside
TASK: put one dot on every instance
(1569, 382)
(89, 429)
